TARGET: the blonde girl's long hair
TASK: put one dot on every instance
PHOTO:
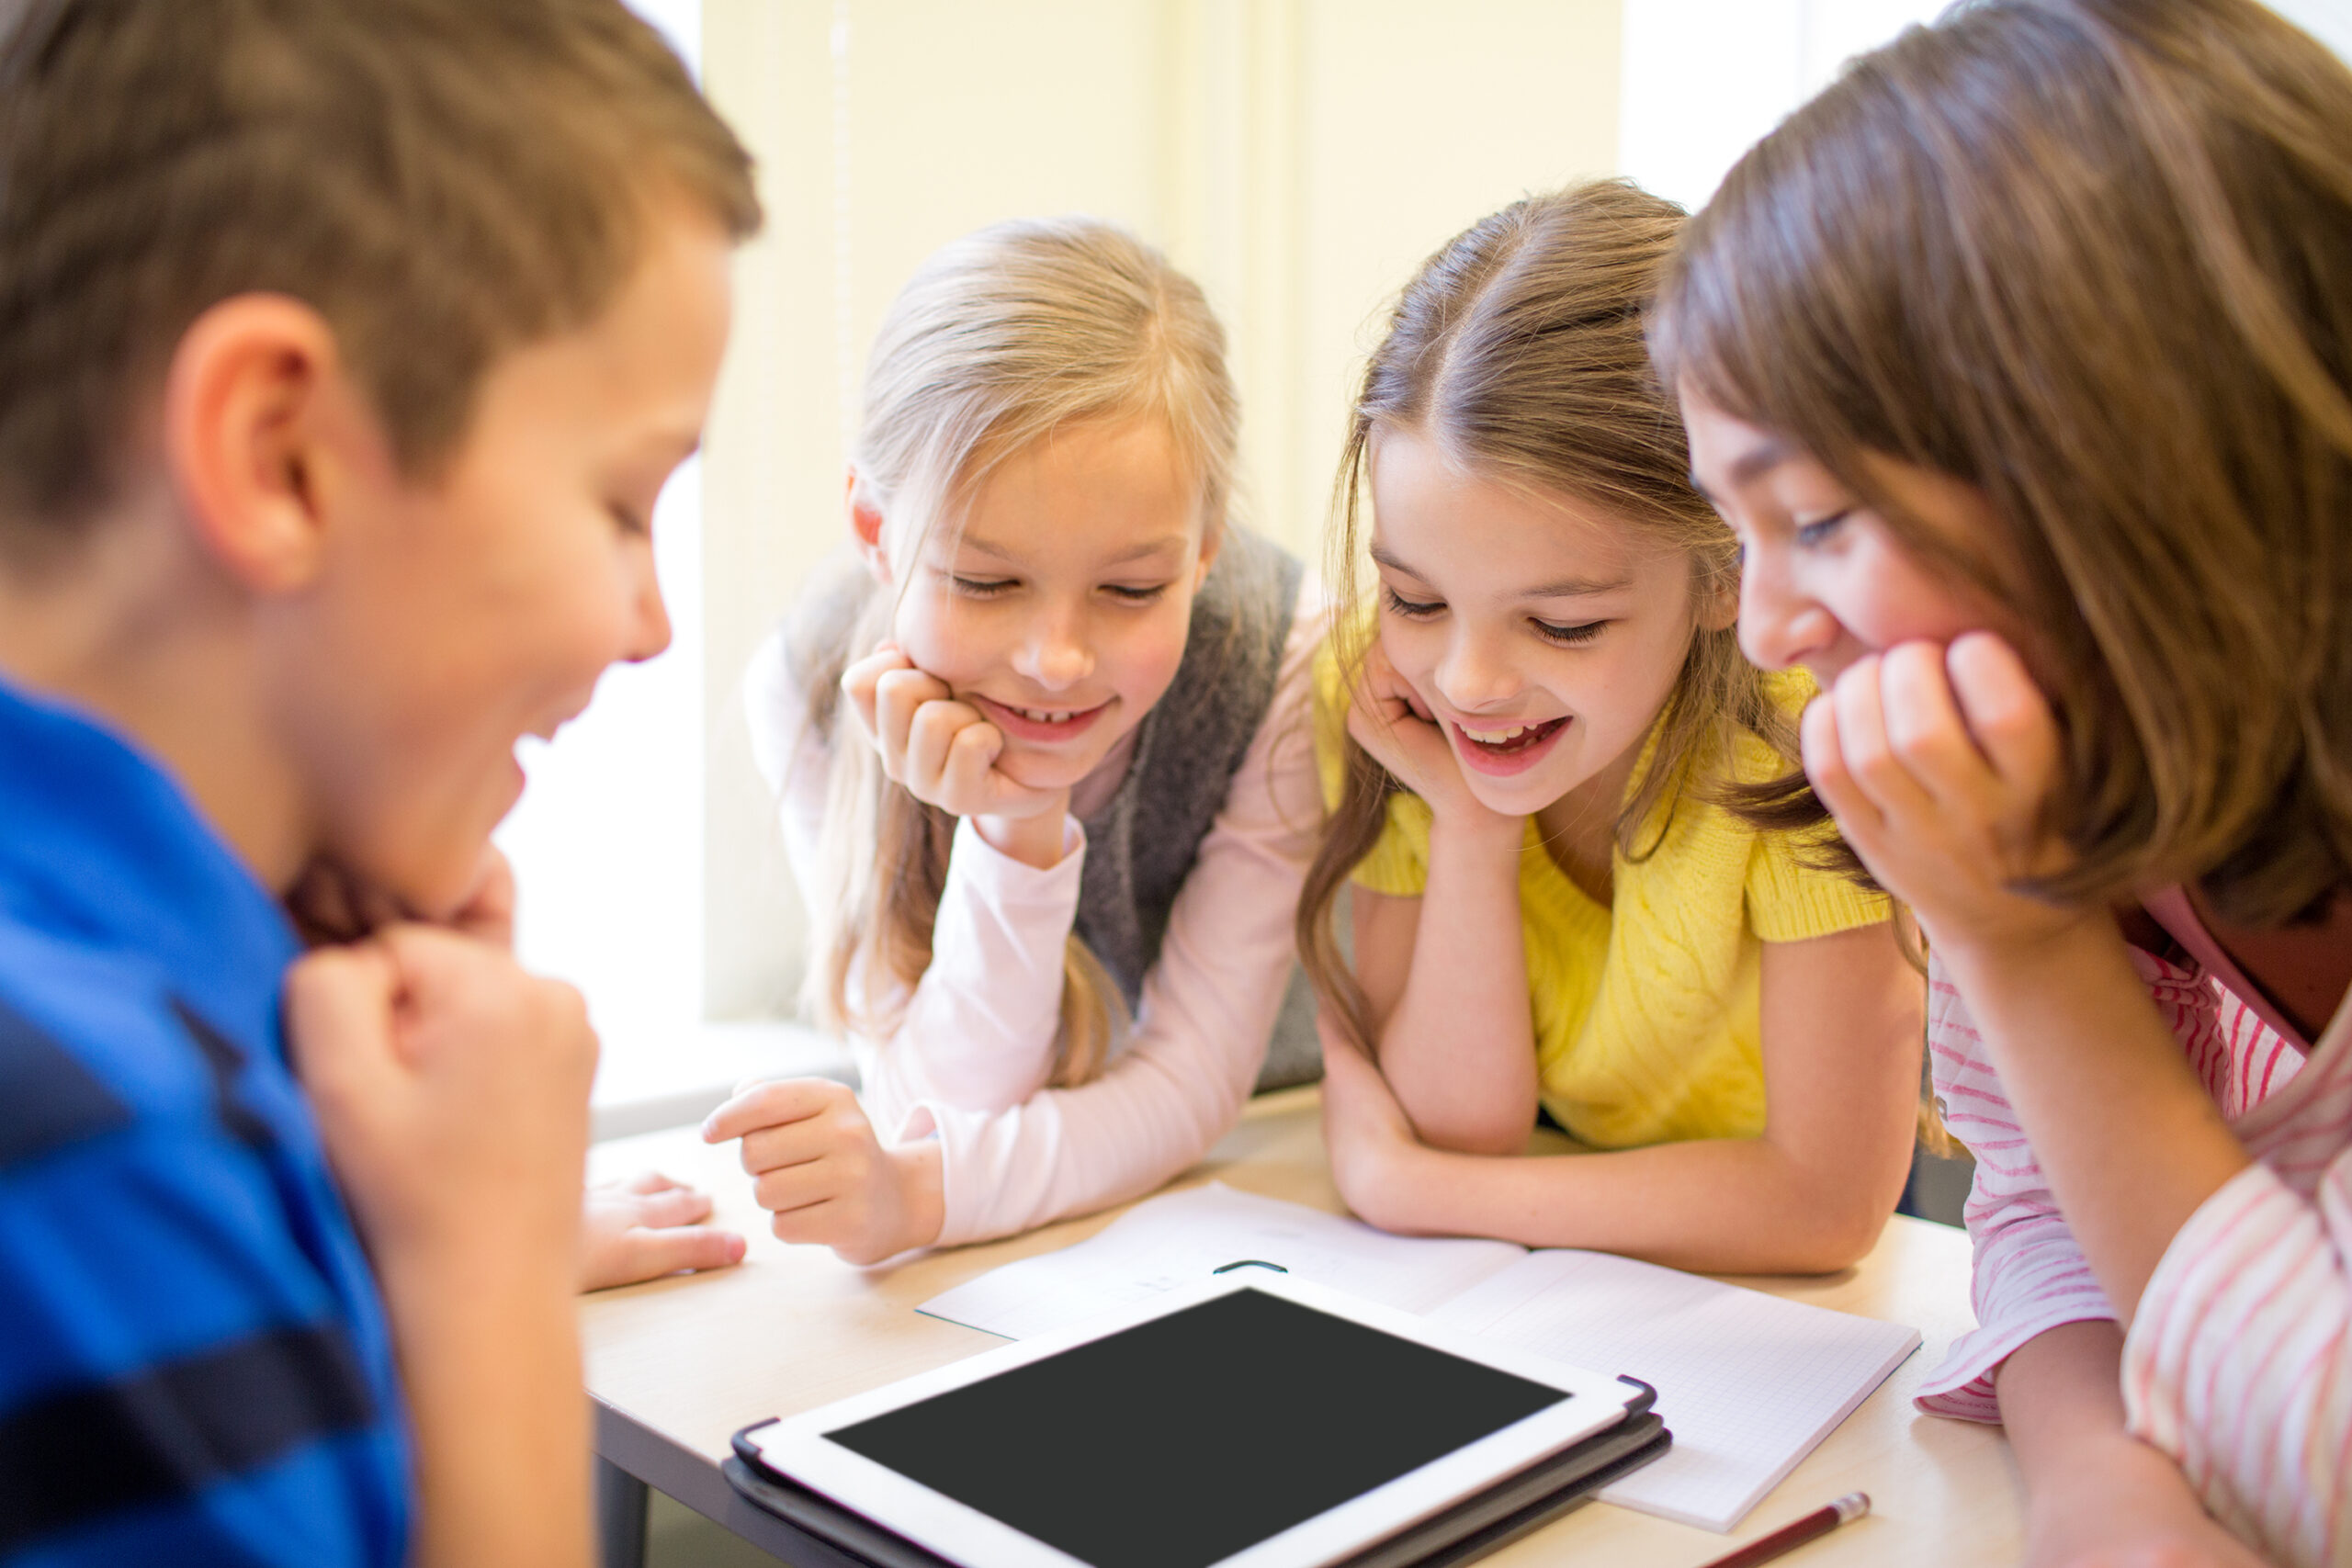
(2093, 257)
(1000, 339)
(1519, 350)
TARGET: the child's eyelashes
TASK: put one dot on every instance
(1412, 609)
(998, 587)
(1819, 531)
(981, 587)
(1550, 631)
(1570, 637)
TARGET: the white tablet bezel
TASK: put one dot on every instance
(798, 1448)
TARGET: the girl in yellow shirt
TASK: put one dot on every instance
(1547, 763)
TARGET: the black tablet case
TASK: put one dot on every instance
(1477, 1525)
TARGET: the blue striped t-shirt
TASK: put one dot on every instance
(194, 1364)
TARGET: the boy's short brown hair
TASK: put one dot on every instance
(444, 180)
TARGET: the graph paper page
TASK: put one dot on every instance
(1749, 1384)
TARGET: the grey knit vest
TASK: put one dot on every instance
(1141, 843)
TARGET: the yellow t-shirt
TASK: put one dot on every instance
(1646, 1008)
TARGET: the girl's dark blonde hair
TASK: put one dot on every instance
(1002, 338)
(2093, 257)
(1518, 351)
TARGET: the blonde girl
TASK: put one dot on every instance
(1556, 908)
(2022, 361)
(1041, 759)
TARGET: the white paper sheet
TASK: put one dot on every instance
(1749, 1384)
(1177, 1239)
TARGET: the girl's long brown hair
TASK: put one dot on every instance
(1001, 338)
(1519, 349)
(2093, 257)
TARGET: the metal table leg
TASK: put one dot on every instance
(621, 1515)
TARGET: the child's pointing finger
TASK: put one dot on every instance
(776, 1103)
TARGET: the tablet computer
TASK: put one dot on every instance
(1252, 1421)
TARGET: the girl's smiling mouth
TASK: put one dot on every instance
(1506, 749)
(1039, 725)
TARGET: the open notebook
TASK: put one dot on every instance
(1749, 1382)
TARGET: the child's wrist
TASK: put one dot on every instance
(475, 1293)
(922, 1194)
(515, 1260)
(1040, 841)
(1477, 830)
(2059, 947)
(2101, 1489)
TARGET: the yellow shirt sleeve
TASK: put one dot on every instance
(1789, 901)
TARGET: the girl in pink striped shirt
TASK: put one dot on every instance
(2020, 360)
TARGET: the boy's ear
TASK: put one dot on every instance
(244, 399)
(865, 527)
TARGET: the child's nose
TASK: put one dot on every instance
(1778, 628)
(1056, 656)
(1475, 675)
(650, 627)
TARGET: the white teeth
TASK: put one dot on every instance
(1039, 715)
(1496, 737)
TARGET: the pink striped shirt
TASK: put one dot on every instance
(2238, 1364)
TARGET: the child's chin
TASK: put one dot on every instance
(1039, 775)
(1520, 796)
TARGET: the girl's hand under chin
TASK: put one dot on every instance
(946, 754)
(1938, 764)
(1389, 720)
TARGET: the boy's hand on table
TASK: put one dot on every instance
(1389, 720)
(647, 1226)
(817, 1165)
(944, 752)
(451, 1089)
(1373, 1150)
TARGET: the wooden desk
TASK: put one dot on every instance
(678, 1365)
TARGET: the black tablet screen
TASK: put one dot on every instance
(1187, 1438)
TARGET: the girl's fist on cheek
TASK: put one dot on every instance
(1389, 720)
(944, 752)
(1938, 763)
(817, 1165)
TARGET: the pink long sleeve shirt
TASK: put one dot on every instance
(969, 1061)
(2238, 1364)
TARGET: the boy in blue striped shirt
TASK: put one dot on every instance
(344, 346)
